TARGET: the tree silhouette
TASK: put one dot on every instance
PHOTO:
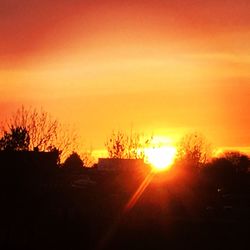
(42, 128)
(73, 162)
(193, 150)
(17, 139)
(45, 132)
(123, 146)
(116, 145)
(240, 161)
(88, 158)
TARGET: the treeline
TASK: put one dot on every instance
(30, 129)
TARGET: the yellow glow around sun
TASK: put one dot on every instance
(160, 158)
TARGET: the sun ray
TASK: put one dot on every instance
(138, 192)
(129, 205)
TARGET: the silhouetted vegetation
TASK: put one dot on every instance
(73, 162)
(33, 129)
(193, 150)
(126, 146)
(17, 139)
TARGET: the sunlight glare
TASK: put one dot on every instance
(160, 158)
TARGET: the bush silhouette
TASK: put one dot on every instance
(73, 162)
(17, 139)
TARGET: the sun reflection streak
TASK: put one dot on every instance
(131, 203)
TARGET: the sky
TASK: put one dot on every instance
(160, 67)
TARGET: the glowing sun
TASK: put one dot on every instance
(160, 158)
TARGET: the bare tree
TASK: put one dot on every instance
(126, 146)
(117, 144)
(194, 150)
(45, 132)
(88, 158)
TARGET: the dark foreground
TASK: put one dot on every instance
(91, 214)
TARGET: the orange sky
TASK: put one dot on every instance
(163, 67)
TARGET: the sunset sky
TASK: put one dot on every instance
(161, 67)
